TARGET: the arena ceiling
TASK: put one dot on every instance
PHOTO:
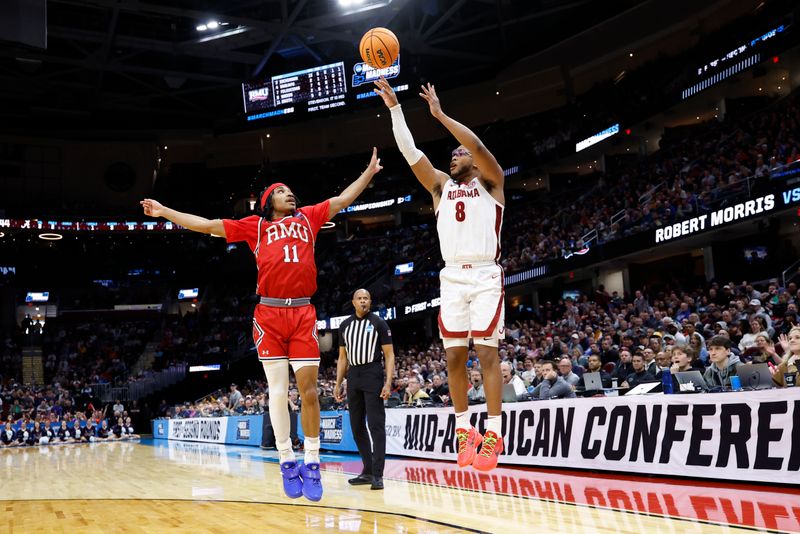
(145, 65)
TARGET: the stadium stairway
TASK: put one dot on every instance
(32, 368)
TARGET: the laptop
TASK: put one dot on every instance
(644, 388)
(691, 381)
(509, 393)
(755, 376)
(592, 381)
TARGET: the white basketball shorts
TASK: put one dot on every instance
(472, 304)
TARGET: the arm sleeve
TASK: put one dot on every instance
(317, 215)
(403, 137)
(242, 230)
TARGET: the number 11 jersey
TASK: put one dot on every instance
(469, 221)
(284, 250)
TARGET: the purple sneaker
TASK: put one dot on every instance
(312, 481)
(292, 485)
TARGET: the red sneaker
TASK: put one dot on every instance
(468, 442)
(486, 460)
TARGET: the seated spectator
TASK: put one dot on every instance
(87, 433)
(791, 344)
(414, 392)
(476, 393)
(723, 363)
(596, 366)
(579, 360)
(510, 377)
(530, 372)
(103, 432)
(552, 386)
(757, 326)
(45, 433)
(439, 392)
(118, 430)
(565, 372)
(640, 373)
(129, 429)
(698, 343)
(684, 358)
(763, 351)
(294, 400)
(65, 434)
(235, 397)
(623, 367)
(650, 361)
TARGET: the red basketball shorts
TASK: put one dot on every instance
(284, 332)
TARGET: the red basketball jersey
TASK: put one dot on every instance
(284, 250)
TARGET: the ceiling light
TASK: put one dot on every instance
(202, 28)
(212, 25)
(51, 237)
(223, 33)
(329, 224)
(351, 7)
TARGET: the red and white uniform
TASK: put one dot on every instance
(469, 221)
(284, 252)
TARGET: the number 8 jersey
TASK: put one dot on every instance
(469, 221)
(284, 250)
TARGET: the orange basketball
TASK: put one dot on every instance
(379, 48)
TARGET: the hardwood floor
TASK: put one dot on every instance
(199, 487)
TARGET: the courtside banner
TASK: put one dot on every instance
(746, 436)
(208, 429)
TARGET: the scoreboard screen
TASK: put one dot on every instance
(320, 88)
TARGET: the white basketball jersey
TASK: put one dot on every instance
(469, 221)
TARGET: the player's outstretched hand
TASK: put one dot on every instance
(429, 95)
(385, 91)
(152, 208)
(374, 166)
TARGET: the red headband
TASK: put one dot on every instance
(267, 191)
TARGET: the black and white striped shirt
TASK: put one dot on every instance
(363, 337)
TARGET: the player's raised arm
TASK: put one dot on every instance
(154, 208)
(430, 178)
(490, 169)
(348, 196)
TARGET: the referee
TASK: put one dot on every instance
(360, 351)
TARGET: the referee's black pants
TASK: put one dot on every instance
(364, 384)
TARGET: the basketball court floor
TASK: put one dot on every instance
(161, 486)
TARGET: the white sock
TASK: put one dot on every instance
(285, 452)
(495, 424)
(462, 420)
(311, 446)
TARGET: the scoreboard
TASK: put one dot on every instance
(320, 88)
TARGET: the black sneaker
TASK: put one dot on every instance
(377, 483)
(360, 480)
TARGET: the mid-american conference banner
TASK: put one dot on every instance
(748, 436)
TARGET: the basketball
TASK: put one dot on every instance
(379, 48)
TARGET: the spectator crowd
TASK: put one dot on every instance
(61, 414)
